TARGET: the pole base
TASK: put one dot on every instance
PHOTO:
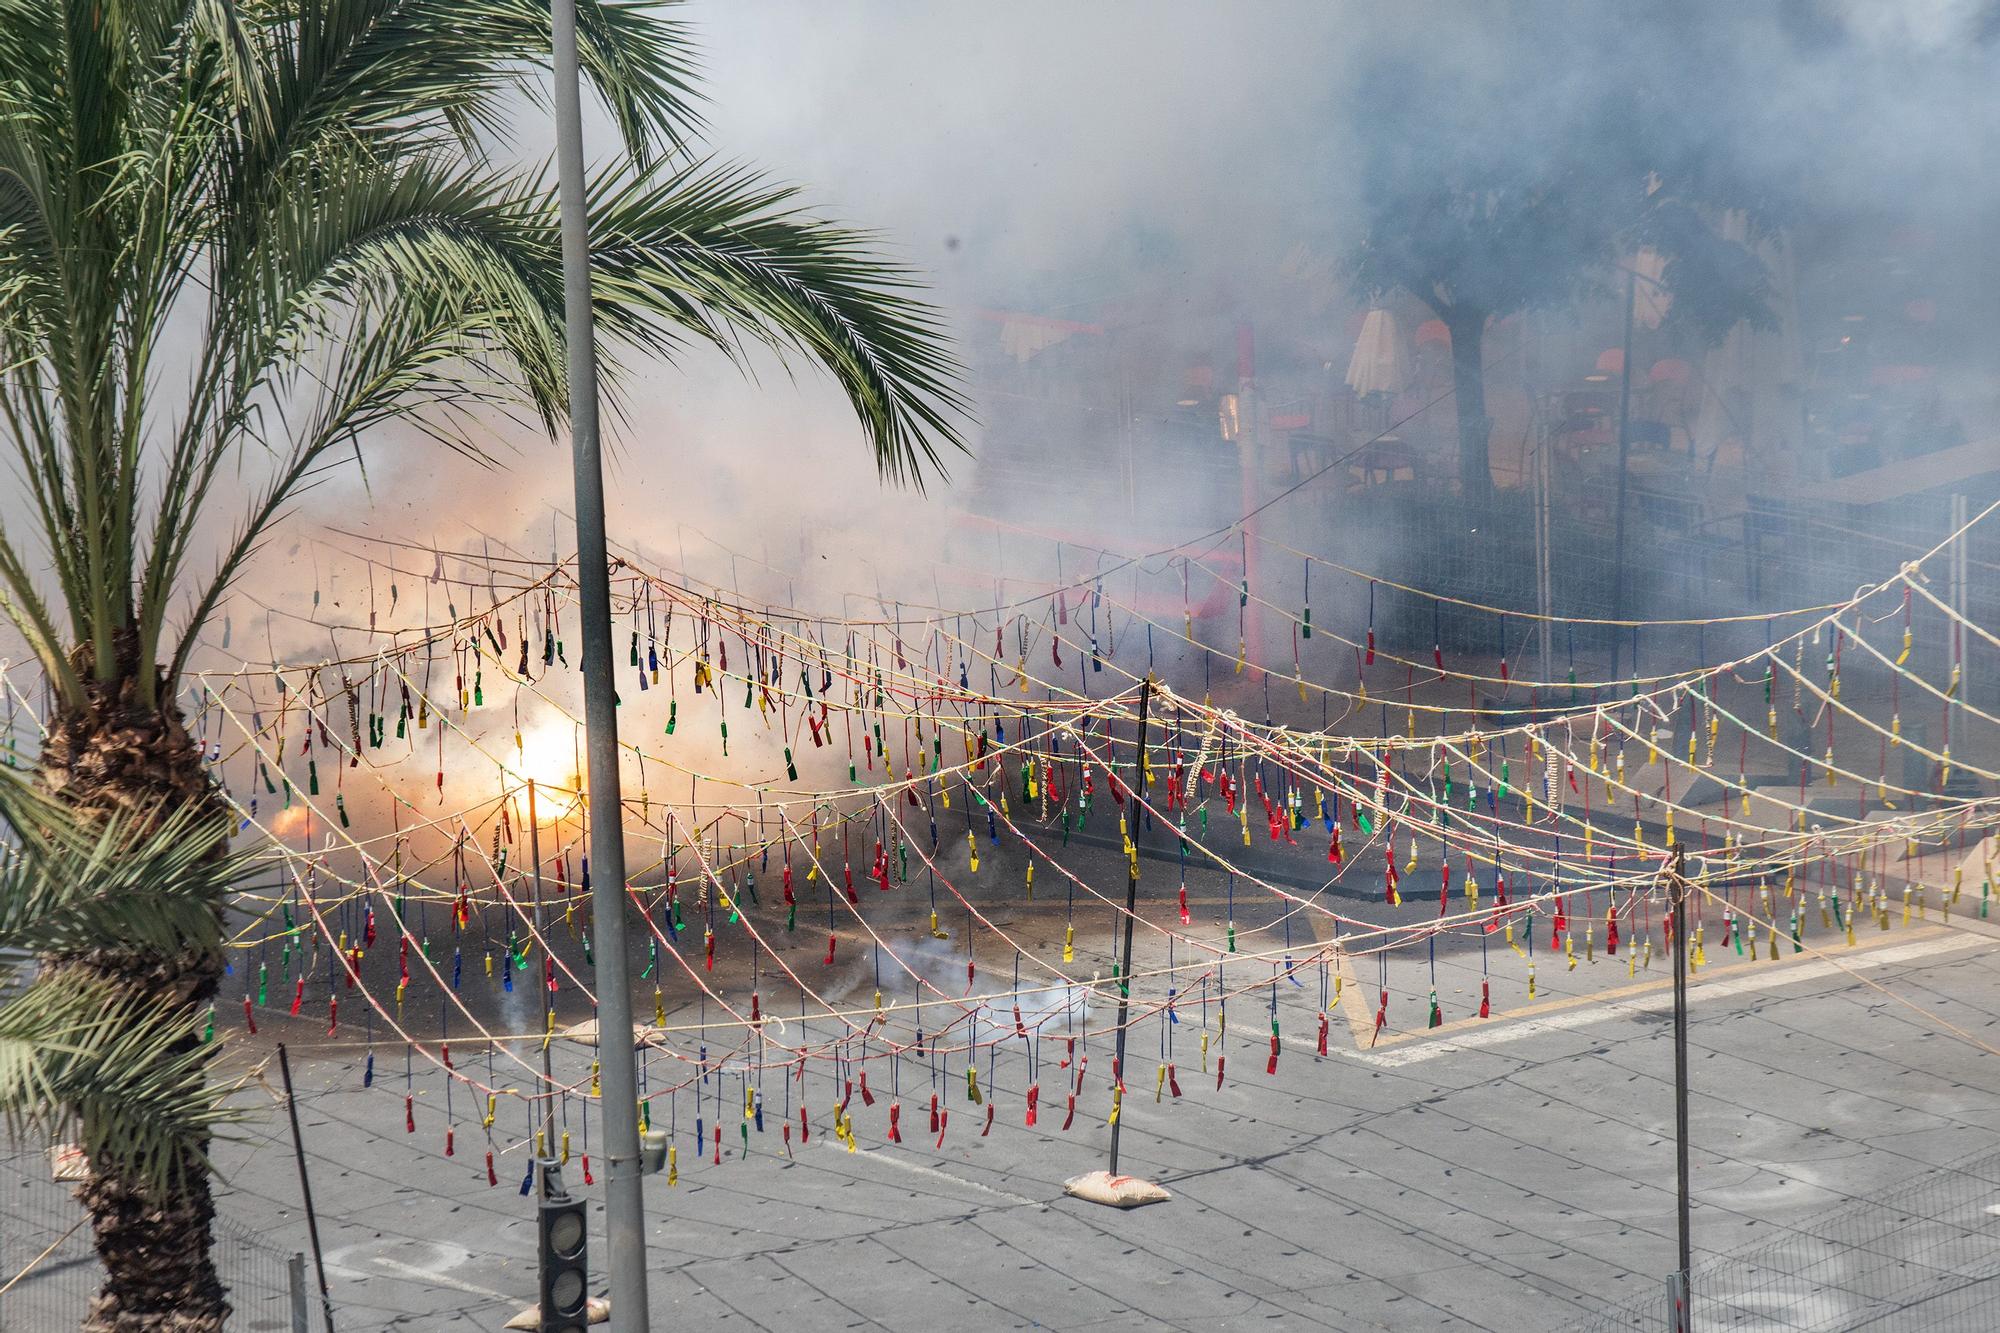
(1114, 1191)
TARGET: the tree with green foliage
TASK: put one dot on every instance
(1516, 159)
(236, 235)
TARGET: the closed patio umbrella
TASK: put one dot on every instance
(1378, 365)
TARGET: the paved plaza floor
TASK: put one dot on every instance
(1514, 1172)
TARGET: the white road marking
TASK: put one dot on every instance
(426, 1276)
(348, 1261)
(1603, 1011)
(932, 1172)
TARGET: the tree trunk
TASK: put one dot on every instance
(1475, 428)
(116, 754)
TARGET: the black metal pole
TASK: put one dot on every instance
(1679, 888)
(305, 1185)
(1131, 911)
(1624, 457)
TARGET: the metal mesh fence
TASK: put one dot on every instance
(45, 1245)
(1923, 1257)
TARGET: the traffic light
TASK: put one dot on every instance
(563, 1248)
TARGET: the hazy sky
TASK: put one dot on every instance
(1014, 152)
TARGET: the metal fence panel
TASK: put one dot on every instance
(1920, 1258)
(44, 1231)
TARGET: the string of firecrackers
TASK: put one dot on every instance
(253, 740)
(1442, 670)
(1244, 530)
(819, 795)
(319, 900)
(443, 1058)
(1506, 678)
(985, 702)
(349, 956)
(1910, 569)
(1599, 711)
(1906, 829)
(275, 847)
(405, 881)
(1413, 795)
(480, 851)
(1679, 679)
(425, 711)
(710, 776)
(1908, 577)
(712, 603)
(711, 871)
(1379, 827)
(483, 853)
(1011, 821)
(1799, 946)
(1526, 789)
(825, 793)
(427, 636)
(1065, 715)
(996, 757)
(1351, 933)
(1432, 741)
(843, 1113)
(971, 1004)
(323, 723)
(403, 876)
(1182, 552)
(755, 625)
(1673, 686)
(819, 867)
(1083, 651)
(708, 605)
(1503, 911)
(1740, 845)
(464, 839)
(1035, 989)
(331, 738)
(440, 1059)
(876, 1025)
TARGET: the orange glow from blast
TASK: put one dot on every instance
(549, 755)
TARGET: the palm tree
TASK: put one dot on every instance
(236, 234)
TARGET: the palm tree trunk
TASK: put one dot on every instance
(1468, 383)
(159, 1276)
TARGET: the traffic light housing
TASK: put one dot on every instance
(563, 1249)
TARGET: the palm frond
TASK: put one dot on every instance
(150, 879)
(399, 72)
(418, 266)
(719, 252)
(77, 1052)
(82, 1050)
(412, 361)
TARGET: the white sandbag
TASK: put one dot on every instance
(597, 1311)
(1115, 1191)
